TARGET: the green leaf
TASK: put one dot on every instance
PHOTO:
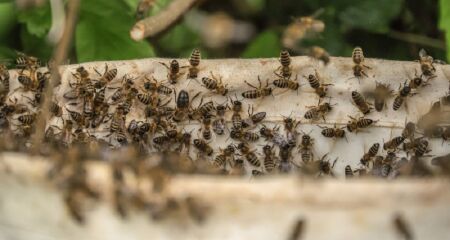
(7, 19)
(371, 15)
(102, 33)
(35, 46)
(266, 44)
(175, 42)
(37, 20)
(444, 22)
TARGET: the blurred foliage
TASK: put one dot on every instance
(102, 31)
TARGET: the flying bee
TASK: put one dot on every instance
(143, 7)
(394, 143)
(203, 147)
(224, 155)
(404, 92)
(333, 132)
(285, 68)
(381, 93)
(302, 27)
(269, 158)
(287, 83)
(257, 92)
(194, 61)
(183, 103)
(355, 124)
(319, 111)
(206, 128)
(367, 157)
(254, 118)
(154, 86)
(106, 77)
(249, 155)
(360, 102)
(215, 84)
(315, 83)
(426, 63)
(173, 71)
(320, 54)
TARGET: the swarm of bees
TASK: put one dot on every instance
(106, 101)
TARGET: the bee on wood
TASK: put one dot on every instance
(297, 230)
(194, 62)
(203, 147)
(254, 118)
(236, 118)
(320, 54)
(26, 81)
(409, 130)
(358, 60)
(173, 71)
(249, 155)
(284, 155)
(418, 81)
(183, 103)
(285, 68)
(356, 124)
(77, 117)
(394, 143)
(258, 92)
(83, 87)
(224, 155)
(269, 133)
(367, 157)
(426, 63)
(319, 88)
(333, 132)
(402, 227)
(360, 102)
(418, 146)
(219, 124)
(236, 133)
(215, 84)
(348, 172)
(301, 27)
(56, 110)
(287, 83)
(305, 148)
(206, 128)
(24, 61)
(319, 111)
(27, 119)
(154, 86)
(106, 77)
(404, 92)
(250, 136)
(202, 110)
(143, 7)
(269, 158)
(381, 93)
(325, 167)
(147, 98)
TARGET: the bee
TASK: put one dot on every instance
(269, 158)
(4, 81)
(333, 132)
(183, 103)
(355, 124)
(358, 60)
(83, 87)
(202, 110)
(367, 157)
(285, 68)
(218, 124)
(257, 173)
(402, 227)
(421, 148)
(206, 129)
(254, 118)
(27, 62)
(314, 81)
(224, 155)
(418, 81)
(147, 98)
(236, 118)
(173, 71)
(348, 171)
(154, 86)
(305, 148)
(250, 136)
(302, 27)
(381, 93)
(287, 83)
(257, 92)
(215, 84)
(203, 147)
(285, 155)
(325, 167)
(27, 119)
(360, 102)
(26, 81)
(143, 7)
(409, 130)
(393, 143)
(404, 92)
(319, 54)
(249, 155)
(55, 109)
(77, 117)
(106, 77)
(269, 134)
(194, 61)
(319, 111)
(297, 231)
(426, 63)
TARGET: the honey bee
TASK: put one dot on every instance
(402, 227)
(143, 7)
(319, 54)
(269, 158)
(173, 71)
(325, 167)
(367, 157)
(257, 92)
(154, 86)
(206, 129)
(285, 68)
(381, 93)
(218, 124)
(215, 84)
(418, 81)
(393, 143)
(56, 110)
(269, 133)
(302, 27)
(426, 63)
(333, 132)
(27, 62)
(284, 155)
(183, 103)
(348, 171)
(77, 117)
(250, 136)
(409, 130)
(358, 60)
(224, 155)
(83, 87)
(203, 147)
(106, 77)
(305, 148)
(360, 102)
(236, 118)
(254, 118)
(314, 81)
(202, 110)
(418, 146)
(194, 61)
(287, 83)
(249, 155)
(355, 124)
(297, 231)
(404, 92)
(319, 111)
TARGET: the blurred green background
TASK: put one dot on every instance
(390, 29)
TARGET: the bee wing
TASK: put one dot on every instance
(71, 95)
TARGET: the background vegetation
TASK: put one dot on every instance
(384, 28)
